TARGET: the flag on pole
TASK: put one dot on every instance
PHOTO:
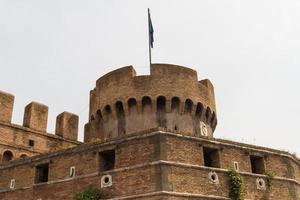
(151, 30)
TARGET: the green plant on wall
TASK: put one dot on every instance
(236, 186)
(89, 193)
(269, 178)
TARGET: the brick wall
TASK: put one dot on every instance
(154, 165)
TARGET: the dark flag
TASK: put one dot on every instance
(151, 31)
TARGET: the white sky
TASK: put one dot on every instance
(53, 51)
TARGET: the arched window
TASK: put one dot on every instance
(99, 117)
(198, 115)
(161, 103)
(175, 104)
(208, 114)
(146, 104)
(132, 105)
(199, 110)
(161, 111)
(188, 107)
(7, 156)
(107, 111)
(120, 117)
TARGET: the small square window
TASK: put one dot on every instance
(107, 160)
(257, 164)
(31, 143)
(41, 173)
(211, 157)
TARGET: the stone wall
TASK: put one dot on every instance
(153, 165)
(170, 97)
(32, 138)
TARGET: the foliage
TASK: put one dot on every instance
(269, 178)
(89, 193)
(236, 185)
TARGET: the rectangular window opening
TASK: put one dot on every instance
(257, 164)
(107, 160)
(31, 143)
(42, 172)
(211, 157)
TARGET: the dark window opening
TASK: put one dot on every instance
(42, 172)
(188, 107)
(31, 143)
(99, 116)
(208, 114)
(146, 104)
(199, 110)
(107, 111)
(257, 164)
(106, 180)
(175, 105)
(7, 156)
(132, 105)
(121, 118)
(211, 157)
(161, 111)
(107, 160)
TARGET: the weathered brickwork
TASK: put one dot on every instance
(171, 97)
(31, 138)
(147, 138)
(158, 169)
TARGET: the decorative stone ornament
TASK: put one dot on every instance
(203, 129)
(213, 178)
(261, 184)
(106, 181)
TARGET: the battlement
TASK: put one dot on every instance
(171, 97)
(36, 118)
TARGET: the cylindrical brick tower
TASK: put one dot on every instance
(170, 97)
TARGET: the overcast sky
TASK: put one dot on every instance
(53, 51)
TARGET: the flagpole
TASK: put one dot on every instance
(150, 59)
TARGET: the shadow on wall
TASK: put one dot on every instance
(137, 115)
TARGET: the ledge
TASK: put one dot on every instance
(42, 134)
(140, 135)
(160, 162)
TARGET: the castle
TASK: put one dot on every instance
(148, 137)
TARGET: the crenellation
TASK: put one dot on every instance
(36, 116)
(147, 137)
(67, 126)
(31, 138)
(119, 75)
(165, 81)
(6, 106)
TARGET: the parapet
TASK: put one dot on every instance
(67, 126)
(6, 106)
(36, 118)
(170, 97)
